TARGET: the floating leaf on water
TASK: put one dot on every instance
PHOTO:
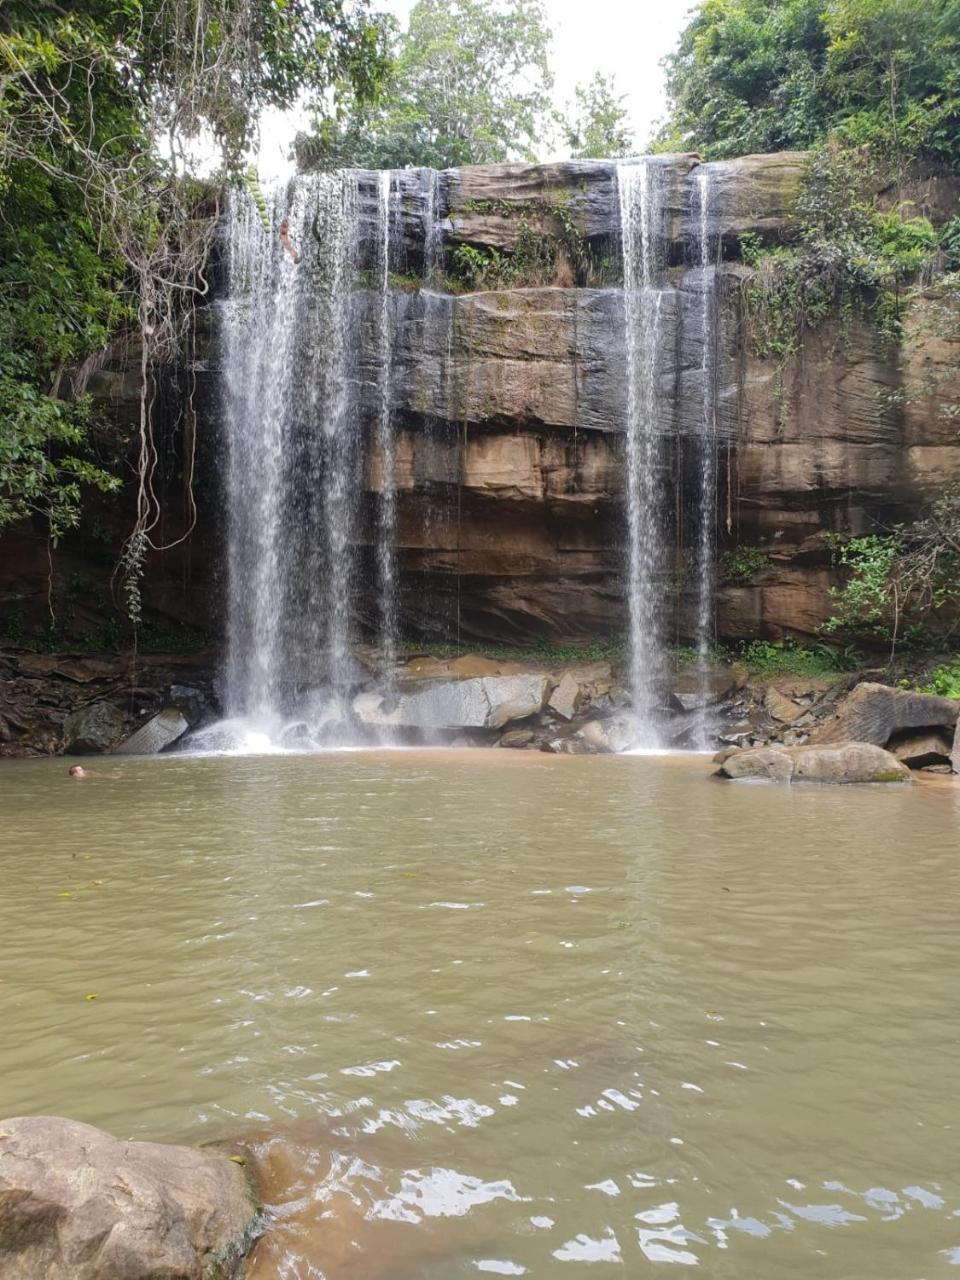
(238, 1160)
(91, 995)
(66, 894)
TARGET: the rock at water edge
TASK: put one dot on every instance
(77, 1204)
(875, 712)
(835, 763)
(159, 732)
(92, 729)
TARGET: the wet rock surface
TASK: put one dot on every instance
(834, 763)
(52, 703)
(78, 1204)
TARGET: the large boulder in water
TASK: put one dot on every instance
(487, 702)
(92, 729)
(160, 731)
(840, 762)
(876, 712)
(77, 1204)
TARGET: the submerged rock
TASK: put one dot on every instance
(841, 762)
(92, 729)
(160, 731)
(78, 1204)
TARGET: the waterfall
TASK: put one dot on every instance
(641, 196)
(293, 450)
(707, 505)
(386, 445)
(432, 230)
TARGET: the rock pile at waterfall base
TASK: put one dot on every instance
(85, 704)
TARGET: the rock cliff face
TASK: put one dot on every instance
(509, 412)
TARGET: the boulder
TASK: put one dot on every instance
(616, 734)
(565, 699)
(92, 729)
(919, 750)
(487, 702)
(875, 712)
(517, 739)
(780, 708)
(695, 688)
(160, 731)
(77, 1204)
(841, 762)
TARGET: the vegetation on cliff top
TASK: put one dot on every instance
(772, 75)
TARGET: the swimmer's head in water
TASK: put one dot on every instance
(77, 771)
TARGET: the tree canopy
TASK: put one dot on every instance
(765, 75)
(596, 125)
(469, 83)
(100, 226)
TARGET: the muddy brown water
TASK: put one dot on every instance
(492, 1012)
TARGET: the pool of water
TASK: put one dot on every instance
(496, 1012)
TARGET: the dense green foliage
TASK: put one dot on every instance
(769, 75)
(850, 259)
(469, 83)
(101, 228)
(902, 586)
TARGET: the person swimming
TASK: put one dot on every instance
(77, 771)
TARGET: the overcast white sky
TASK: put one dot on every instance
(623, 38)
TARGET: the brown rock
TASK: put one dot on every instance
(835, 763)
(918, 750)
(781, 708)
(875, 712)
(77, 1204)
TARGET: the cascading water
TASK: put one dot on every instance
(386, 445)
(641, 187)
(432, 229)
(707, 505)
(293, 451)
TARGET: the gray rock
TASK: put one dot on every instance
(840, 762)
(565, 699)
(487, 702)
(191, 701)
(77, 1204)
(160, 731)
(875, 712)
(609, 736)
(92, 729)
(955, 753)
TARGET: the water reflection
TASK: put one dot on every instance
(481, 1013)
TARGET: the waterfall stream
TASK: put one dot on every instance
(313, 340)
(641, 188)
(293, 455)
(386, 446)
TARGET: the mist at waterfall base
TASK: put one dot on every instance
(306, 351)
